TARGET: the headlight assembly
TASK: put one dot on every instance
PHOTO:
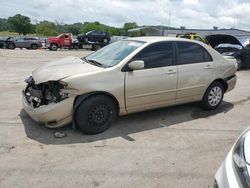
(239, 160)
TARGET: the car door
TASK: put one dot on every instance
(27, 42)
(91, 36)
(66, 41)
(20, 42)
(155, 85)
(195, 71)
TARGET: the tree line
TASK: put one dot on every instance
(23, 26)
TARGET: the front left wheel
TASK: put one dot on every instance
(213, 96)
(95, 114)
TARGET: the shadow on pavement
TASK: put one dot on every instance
(123, 126)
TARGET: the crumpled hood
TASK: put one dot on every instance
(215, 40)
(57, 70)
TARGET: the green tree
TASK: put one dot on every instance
(46, 28)
(20, 24)
(128, 26)
(74, 28)
(4, 24)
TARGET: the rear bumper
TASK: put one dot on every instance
(52, 115)
(231, 82)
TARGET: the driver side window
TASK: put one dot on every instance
(157, 55)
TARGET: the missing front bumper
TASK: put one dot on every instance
(52, 115)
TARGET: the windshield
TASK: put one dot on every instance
(244, 41)
(114, 53)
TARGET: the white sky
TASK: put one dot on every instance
(190, 13)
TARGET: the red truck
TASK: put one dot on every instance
(66, 40)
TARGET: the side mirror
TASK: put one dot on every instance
(136, 65)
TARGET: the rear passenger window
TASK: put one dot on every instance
(207, 56)
(189, 53)
(157, 55)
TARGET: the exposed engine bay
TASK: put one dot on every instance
(43, 93)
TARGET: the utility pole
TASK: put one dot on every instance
(169, 19)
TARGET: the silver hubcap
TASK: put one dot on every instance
(215, 96)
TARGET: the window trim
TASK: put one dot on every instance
(125, 68)
(203, 50)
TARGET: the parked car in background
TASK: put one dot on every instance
(127, 76)
(234, 172)
(228, 45)
(23, 42)
(94, 36)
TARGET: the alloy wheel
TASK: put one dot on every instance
(215, 96)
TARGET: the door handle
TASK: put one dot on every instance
(208, 67)
(171, 71)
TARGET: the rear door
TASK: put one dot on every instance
(195, 69)
(155, 85)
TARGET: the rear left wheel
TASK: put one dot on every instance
(95, 114)
(213, 96)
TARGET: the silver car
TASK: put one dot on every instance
(125, 77)
(235, 170)
(23, 42)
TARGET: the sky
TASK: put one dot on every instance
(193, 14)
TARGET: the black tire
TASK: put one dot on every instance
(95, 114)
(239, 63)
(33, 46)
(213, 96)
(53, 47)
(11, 46)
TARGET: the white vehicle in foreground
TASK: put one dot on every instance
(235, 170)
(124, 77)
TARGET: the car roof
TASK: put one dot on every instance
(159, 39)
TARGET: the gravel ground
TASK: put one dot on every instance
(179, 146)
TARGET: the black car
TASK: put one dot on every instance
(228, 45)
(94, 36)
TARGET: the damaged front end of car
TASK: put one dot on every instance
(49, 103)
(44, 93)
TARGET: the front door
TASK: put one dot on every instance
(155, 85)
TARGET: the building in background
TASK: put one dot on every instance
(169, 31)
